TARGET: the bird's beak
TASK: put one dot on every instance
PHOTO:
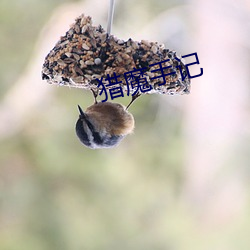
(82, 114)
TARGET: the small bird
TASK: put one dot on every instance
(103, 124)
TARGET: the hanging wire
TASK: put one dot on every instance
(110, 15)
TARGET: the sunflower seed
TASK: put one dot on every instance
(85, 46)
(88, 62)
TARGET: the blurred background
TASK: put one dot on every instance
(180, 182)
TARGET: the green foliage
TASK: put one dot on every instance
(20, 24)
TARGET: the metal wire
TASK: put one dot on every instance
(110, 15)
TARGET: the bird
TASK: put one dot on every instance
(104, 124)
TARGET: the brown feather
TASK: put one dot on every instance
(112, 117)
